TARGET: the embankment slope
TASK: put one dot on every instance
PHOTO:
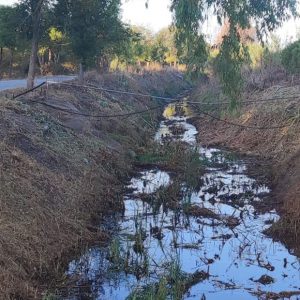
(62, 171)
(277, 148)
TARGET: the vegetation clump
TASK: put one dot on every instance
(176, 157)
(290, 57)
(172, 285)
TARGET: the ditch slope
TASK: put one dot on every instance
(278, 149)
(62, 171)
(183, 239)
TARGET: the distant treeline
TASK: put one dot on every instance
(69, 36)
(77, 35)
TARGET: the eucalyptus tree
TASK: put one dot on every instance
(189, 17)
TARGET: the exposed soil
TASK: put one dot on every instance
(277, 150)
(60, 173)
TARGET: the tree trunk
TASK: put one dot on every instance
(81, 74)
(11, 63)
(36, 17)
(1, 59)
(41, 61)
(98, 64)
(103, 64)
(50, 55)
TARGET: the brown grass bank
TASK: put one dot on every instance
(277, 148)
(61, 172)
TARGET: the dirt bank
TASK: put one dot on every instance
(60, 172)
(279, 148)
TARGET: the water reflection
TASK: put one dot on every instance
(236, 256)
(175, 125)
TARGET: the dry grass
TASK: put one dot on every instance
(278, 148)
(60, 173)
(148, 67)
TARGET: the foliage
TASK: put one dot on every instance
(91, 33)
(256, 52)
(8, 21)
(142, 47)
(290, 57)
(91, 26)
(228, 64)
(166, 39)
(190, 44)
(88, 32)
(73, 32)
(136, 49)
(11, 40)
(195, 57)
(190, 15)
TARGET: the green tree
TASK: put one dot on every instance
(163, 49)
(143, 47)
(92, 26)
(8, 37)
(166, 37)
(137, 48)
(51, 47)
(190, 15)
(32, 24)
(290, 57)
(228, 64)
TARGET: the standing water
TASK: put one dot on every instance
(217, 252)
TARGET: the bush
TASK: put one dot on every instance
(255, 51)
(290, 57)
(271, 58)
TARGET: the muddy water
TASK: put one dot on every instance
(238, 261)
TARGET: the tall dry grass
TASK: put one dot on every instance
(61, 173)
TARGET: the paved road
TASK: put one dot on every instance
(21, 83)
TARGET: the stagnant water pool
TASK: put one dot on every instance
(224, 260)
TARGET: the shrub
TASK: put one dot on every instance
(290, 57)
(255, 51)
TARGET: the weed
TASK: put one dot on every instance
(165, 196)
(139, 238)
(115, 253)
(176, 279)
(50, 296)
(193, 169)
(156, 291)
(171, 285)
(176, 157)
(60, 173)
(186, 202)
